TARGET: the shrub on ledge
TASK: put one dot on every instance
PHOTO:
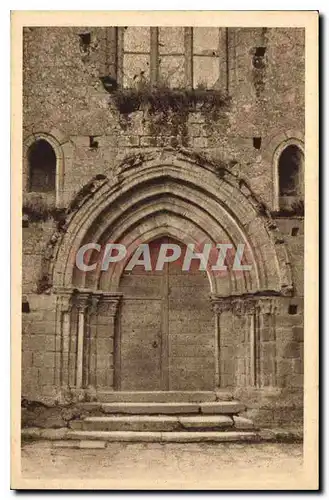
(165, 100)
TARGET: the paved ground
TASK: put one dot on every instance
(164, 465)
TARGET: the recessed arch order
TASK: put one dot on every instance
(171, 193)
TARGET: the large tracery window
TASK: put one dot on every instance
(170, 57)
(42, 167)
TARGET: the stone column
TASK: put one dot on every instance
(219, 305)
(243, 310)
(265, 308)
(253, 342)
(62, 339)
(82, 302)
(259, 343)
(106, 322)
(66, 308)
(91, 338)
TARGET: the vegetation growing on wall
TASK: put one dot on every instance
(169, 108)
(61, 216)
(164, 99)
(40, 208)
(295, 210)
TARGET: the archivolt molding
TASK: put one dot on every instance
(163, 192)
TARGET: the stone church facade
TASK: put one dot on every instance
(150, 135)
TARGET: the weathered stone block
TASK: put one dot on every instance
(292, 350)
(151, 408)
(298, 366)
(296, 380)
(105, 375)
(127, 141)
(222, 407)
(43, 359)
(92, 445)
(206, 422)
(81, 141)
(243, 423)
(195, 130)
(46, 376)
(298, 333)
(148, 141)
(137, 423)
(41, 343)
(200, 142)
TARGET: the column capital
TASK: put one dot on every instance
(239, 305)
(65, 298)
(81, 299)
(266, 305)
(110, 301)
(221, 304)
(94, 301)
(243, 305)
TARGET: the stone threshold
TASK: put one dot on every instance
(216, 407)
(163, 423)
(164, 396)
(79, 439)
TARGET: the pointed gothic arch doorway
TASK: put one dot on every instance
(165, 333)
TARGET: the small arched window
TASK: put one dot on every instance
(290, 171)
(42, 167)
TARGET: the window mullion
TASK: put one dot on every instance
(119, 61)
(188, 43)
(223, 58)
(111, 52)
(154, 56)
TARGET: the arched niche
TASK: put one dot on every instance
(46, 148)
(288, 165)
(42, 163)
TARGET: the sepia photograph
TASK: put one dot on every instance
(161, 313)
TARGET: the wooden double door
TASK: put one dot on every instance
(166, 333)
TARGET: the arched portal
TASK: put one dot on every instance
(117, 321)
(165, 339)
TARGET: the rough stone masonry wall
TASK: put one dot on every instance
(62, 90)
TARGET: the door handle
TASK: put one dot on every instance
(155, 344)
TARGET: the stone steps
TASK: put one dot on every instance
(216, 421)
(164, 423)
(178, 437)
(168, 417)
(216, 407)
(163, 396)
